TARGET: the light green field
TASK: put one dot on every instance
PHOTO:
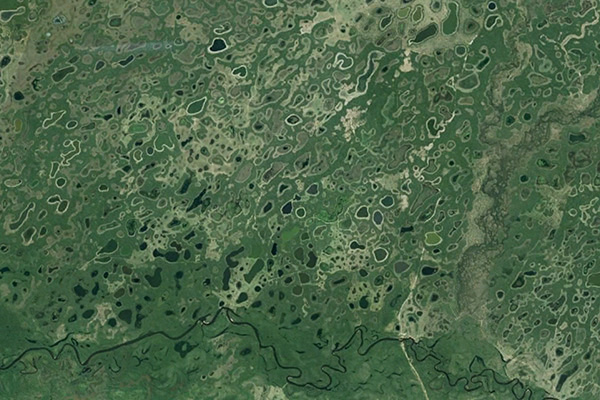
(297, 199)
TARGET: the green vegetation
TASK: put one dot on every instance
(333, 199)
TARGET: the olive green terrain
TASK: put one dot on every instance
(298, 199)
